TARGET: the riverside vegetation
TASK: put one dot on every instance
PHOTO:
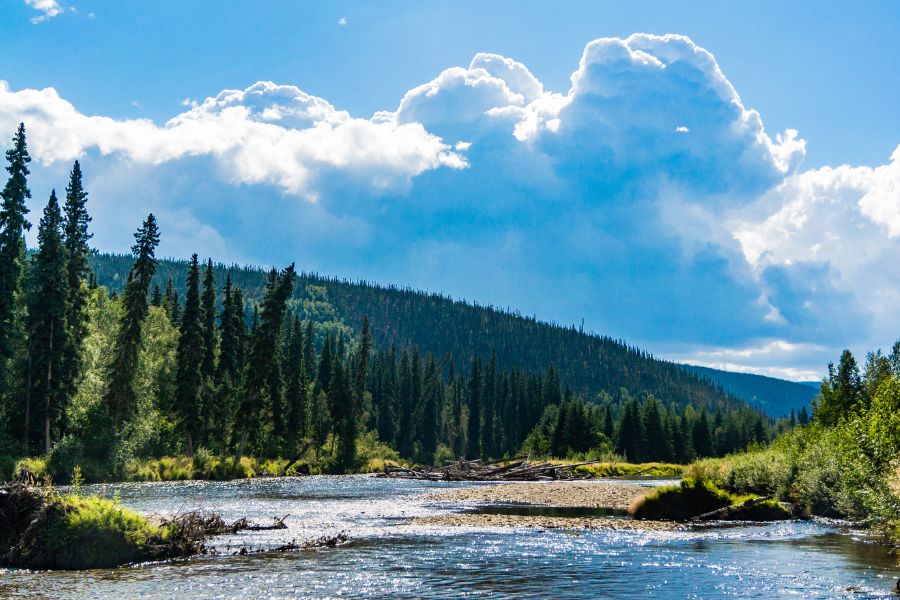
(146, 375)
(170, 370)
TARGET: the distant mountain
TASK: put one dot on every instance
(776, 397)
(588, 363)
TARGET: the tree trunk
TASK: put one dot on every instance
(28, 407)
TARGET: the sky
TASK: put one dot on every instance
(718, 183)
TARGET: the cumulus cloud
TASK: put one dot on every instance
(267, 133)
(646, 198)
(47, 8)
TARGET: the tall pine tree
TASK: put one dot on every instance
(189, 379)
(48, 336)
(120, 393)
(76, 237)
(13, 225)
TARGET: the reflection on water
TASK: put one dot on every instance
(388, 555)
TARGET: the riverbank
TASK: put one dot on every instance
(595, 494)
(546, 522)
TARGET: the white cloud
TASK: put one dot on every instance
(342, 21)
(264, 134)
(646, 197)
(47, 8)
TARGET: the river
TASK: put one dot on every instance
(389, 555)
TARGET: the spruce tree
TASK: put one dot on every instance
(263, 359)
(120, 393)
(702, 437)
(13, 225)
(361, 372)
(297, 386)
(489, 410)
(473, 434)
(49, 338)
(430, 409)
(208, 312)
(189, 379)
(78, 271)
(341, 398)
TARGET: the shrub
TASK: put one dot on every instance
(74, 532)
(680, 502)
(31, 469)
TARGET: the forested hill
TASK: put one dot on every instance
(589, 364)
(776, 397)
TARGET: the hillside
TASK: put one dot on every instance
(776, 397)
(590, 364)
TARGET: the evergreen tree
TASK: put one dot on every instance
(76, 238)
(659, 444)
(387, 424)
(208, 312)
(48, 335)
(702, 437)
(156, 296)
(430, 425)
(309, 349)
(189, 379)
(297, 384)
(13, 225)
(489, 410)
(473, 435)
(361, 371)
(229, 335)
(341, 398)
(840, 391)
(263, 361)
(171, 303)
(406, 406)
(120, 394)
(631, 440)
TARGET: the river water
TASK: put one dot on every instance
(388, 555)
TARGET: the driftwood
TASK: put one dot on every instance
(724, 513)
(518, 469)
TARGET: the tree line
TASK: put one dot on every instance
(100, 375)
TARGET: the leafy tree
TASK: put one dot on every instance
(120, 394)
(49, 338)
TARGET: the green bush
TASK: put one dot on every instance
(31, 468)
(88, 533)
(680, 502)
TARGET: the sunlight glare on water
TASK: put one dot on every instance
(389, 555)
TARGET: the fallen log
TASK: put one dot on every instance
(729, 511)
(516, 469)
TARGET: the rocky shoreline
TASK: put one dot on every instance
(596, 494)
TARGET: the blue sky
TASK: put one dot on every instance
(653, 186)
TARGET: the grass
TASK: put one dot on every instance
(694, 497)
(75, 532)
(680, 502)
(622, 469)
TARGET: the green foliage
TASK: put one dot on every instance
(680, 502)
(89, 533)
(30, 469)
